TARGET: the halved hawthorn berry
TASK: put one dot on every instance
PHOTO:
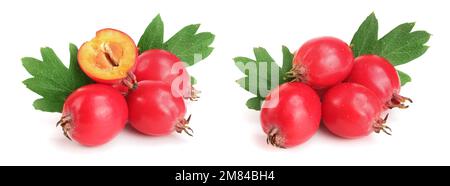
(109, 57)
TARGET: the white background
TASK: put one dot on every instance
(226, 132)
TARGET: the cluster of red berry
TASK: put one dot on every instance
(146, 90)
(350, 96)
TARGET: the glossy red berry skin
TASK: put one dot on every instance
(160, 65)
(94, 114)
(291, 114)
(380, 76)
(323, 62)
(350, 110)
(154, 109)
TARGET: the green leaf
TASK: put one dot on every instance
(241, 63)
(35, 67)
(245, 84)
(153, 36)
(264, 58)
(193, 80)
(45, 87)
(52, 79)
(38, 69)
(398, 32)
(255, 103)
(365, 39)
(404, 78)
(401, 46)
(288, 57)
(263, 61)
(262, 55)
(190, 46)
(52, 68)
(79, 78)
(48, 105)
(259, 78)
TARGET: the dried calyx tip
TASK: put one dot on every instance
(182, 126)
(398, 101)
(64, 122)
(297, 73)
(274, 138)
(130, 81)
(380, 125)
(194, 94)
(135, 86)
